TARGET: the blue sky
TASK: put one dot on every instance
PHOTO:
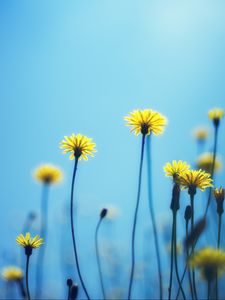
(81, 66)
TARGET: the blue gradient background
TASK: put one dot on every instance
(80, 66)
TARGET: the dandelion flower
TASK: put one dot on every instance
(29, 243)
(205, 162)
(12, 273)
(200, 133)
(146, 121)
(216, 114)
(175, 168)
(79, 146)
(195, 179)
(209, 261)
(48, 174)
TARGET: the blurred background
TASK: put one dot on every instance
(81, 66)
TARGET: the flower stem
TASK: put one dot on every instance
(175, 254)
(21, 287)
(171, 261)
(43, 234)
(218, 246)
(72, 229)
(98, 257)
(209, 289)
(135, 218)
(213, 166)
(193, 243)
(189, 273)
(152, 213)
(27, 277)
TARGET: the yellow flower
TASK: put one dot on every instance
(209, 261)
(12, 273)
(28, 242)
(79, 145)
(175, 168)
(205, 162)
(216, 114)
(201, 133)
(48, 174)
(193, 179)
(219, 194)
(146, 121)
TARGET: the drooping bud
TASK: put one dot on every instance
(103, 213)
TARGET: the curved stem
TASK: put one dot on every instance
(175, 254)
(189, 273)
(135, 218)
(27, 277)
(98, 257)
(171, 261)
(213, 167)
(43, 234)
(152, 213)
(72, 229)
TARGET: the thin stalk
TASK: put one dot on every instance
(72, 229)
(218, 246)
(27, 277)
(152, 213)
(135, 218)
(209, 290)
(213, 166)
(21, 287)
(189, 273)
(98, 257)
(175, 254)
(193, 244)
(68, 297)
(43, 234)
(171, 262)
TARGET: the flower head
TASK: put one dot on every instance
(12, 273)
(200, 134)
(219, 194)
(29, 243)
(216, 114)
(193, 179)
(146, 121)
(48, 174)
(175, 168)
(205, 162)
(209, 261)
(79, 146)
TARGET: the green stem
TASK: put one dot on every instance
(43, 234)
(27, 277)
(193, 244)
(98, 257)
(175, 254)
(72, 229)
(171, 261)
(189, 273)
(135, 218)
(152, 213)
